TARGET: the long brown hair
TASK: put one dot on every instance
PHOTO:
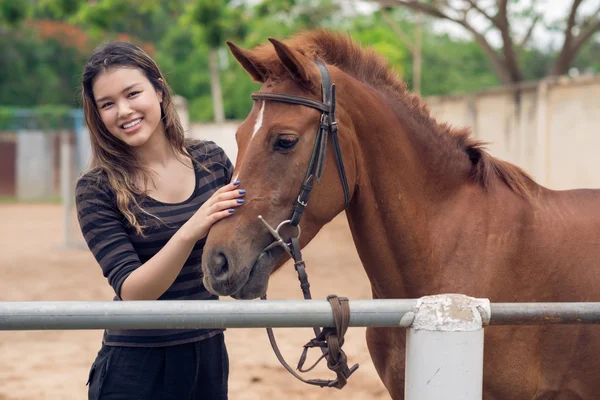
(110, 155)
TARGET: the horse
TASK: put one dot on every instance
(429, 209)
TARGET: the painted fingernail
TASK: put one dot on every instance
(242, 191)
(231, 210)
(240, 201)
(236, 183)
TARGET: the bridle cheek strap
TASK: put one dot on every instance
(329, 340)
(327, 125)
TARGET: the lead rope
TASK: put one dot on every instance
(329, 340)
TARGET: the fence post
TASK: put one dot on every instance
(66, 184)
(444, 348)
(541, 166)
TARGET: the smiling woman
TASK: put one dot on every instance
(145, 207)
(131, 113)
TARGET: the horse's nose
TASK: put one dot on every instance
(220, 266)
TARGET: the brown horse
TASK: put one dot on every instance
(430, 212)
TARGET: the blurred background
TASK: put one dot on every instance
(523, 74)
(478, 63)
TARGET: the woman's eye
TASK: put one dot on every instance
(133, 94)
(106, 105)
(286, 142)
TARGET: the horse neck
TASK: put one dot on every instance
(402, 188)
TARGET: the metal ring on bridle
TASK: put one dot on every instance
(288, 222)
(278, 239)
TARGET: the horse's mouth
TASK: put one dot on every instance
(258, 279)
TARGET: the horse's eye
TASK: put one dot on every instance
(285, 142)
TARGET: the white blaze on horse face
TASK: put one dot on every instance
(257, 126)
(259, 120)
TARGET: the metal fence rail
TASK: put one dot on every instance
(445, 333)
(545, 313)
(194, 314)
(66, 315)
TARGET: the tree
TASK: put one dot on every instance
(414, 43)
(57, 9)
(370, 31)
(452, 65)
(502, 17)
(40, 66)
(12, 13)
(141, 20)
(218, 20)
(305, 14)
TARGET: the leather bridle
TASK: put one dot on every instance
(329, 340)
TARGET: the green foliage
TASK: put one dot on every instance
(371, 31)
(38, 71)
(536, 64)
(183, 59)
(184, 63)
(454, 66)
(145, 20)
(588, 59)
(449, 65)
(237, 87)
(13, 12)
(218, 19)
(56, 9)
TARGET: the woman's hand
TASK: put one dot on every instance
(220, 205)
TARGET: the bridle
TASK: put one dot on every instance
(329, 340)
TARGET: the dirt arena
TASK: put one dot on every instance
(37, 365)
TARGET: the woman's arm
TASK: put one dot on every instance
(150, 280)
(102, 227)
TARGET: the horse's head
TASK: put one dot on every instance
(276, 143)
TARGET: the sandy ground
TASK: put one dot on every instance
(37, 365)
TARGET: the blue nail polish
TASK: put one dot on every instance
(242, 191)
(240, 201)
(230, 210)
(236, 183)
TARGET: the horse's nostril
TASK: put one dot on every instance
(220, 264)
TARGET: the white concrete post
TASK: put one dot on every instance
(181, 105)
(66, 182)
(444, 348)
(541, 167)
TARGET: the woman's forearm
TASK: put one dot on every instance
(155, 276)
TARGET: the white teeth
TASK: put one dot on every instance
(134, 123)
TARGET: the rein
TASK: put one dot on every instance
(329, 340)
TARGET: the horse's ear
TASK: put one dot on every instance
(249, 62)
(292, 61)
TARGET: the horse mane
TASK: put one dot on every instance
(372, 69)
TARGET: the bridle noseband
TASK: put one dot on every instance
(330, 340)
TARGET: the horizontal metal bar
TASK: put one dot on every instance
(63, 315)
(67, 315)
(545, 313)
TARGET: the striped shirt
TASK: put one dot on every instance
(120, 250)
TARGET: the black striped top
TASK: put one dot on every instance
(119, 250)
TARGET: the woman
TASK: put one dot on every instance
(144, 207)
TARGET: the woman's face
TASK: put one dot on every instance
(128, 104)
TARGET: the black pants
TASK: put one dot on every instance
(192, 371)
